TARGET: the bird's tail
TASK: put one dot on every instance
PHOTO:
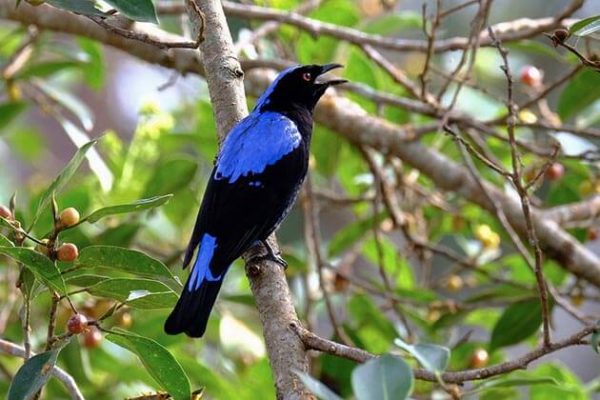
(191, 313)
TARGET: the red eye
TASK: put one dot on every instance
(307, 76)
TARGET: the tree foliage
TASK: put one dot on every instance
(416, 287)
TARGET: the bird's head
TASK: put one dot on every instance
(300, 86)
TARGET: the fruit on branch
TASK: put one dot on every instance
(77, 324)
(555, 172)
(92, 338)
(5, 212)
(592, 234)
(124, 319)
(488, 238)
(68, 217)
(479, 358)
(531, 76)
(67, 252)
(454, 283)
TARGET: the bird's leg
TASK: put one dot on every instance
(274, 257)
(270, 255)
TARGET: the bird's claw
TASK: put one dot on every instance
(271, 256)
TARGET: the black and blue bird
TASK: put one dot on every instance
(255, 181)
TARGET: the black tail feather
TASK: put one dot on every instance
(191, 313)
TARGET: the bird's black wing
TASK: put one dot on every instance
(251, 189)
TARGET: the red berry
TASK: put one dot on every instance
(5, 212)
(592, 234)
(531, 76)
(555, 171)
(67, 252)
(78, 323)
(68, 217)
(479, 358)
(92, 338)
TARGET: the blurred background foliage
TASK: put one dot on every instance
(154, 142)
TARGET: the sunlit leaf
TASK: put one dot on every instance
(136, 206)
(383, 378)
(586, 26)
(123, 260)
(139, 293)
(157, 360)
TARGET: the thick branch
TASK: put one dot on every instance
(267, 279)
(49, 18)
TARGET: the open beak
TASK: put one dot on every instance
(326, 68)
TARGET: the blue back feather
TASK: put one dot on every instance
(259, 140)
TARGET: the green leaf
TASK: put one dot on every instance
(139, 293)
(157, 360)
(316, 387)
(32, 376)
(388, 24)
(40, 265)
(171, 176)
(580, 92)
(124, 260)
(383, 378)
(138, 10)
(517, 322)
(4, 242)
(136, 206)
(85, 280)
(95, 69)
(352, 233)
(524, 381)
(586, 26)
(61, 180)
(432, 357)
(85, 7)
(10, 110)
(45, 69)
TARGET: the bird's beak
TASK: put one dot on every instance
(326, 68)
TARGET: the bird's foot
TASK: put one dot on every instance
(271, 256)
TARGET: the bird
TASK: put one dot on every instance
(255, 181)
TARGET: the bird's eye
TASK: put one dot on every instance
(307, 76)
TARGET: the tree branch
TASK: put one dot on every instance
(315, 342)
(267, 279)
